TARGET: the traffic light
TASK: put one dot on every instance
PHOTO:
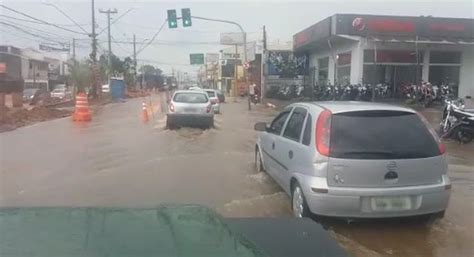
(186, 16)
(172, 20)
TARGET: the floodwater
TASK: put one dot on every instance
(117, 160)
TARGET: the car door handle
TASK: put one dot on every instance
(273, 146)
(290, 154)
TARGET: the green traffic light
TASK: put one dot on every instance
(186, 15)
(172, 19)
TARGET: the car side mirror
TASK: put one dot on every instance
(260, 126)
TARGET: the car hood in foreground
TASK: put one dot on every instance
(186, 230)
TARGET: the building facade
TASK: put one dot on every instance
(374, 49)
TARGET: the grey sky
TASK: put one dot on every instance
(282, 20)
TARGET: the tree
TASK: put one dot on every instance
(81, 74)
(152, 76)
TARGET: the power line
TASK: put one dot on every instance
(115, 20)
(164, 42)
(37, 22)
(42, 21)
(183, 30)
(67, 16)
(30, 33)
(153, 38)
(118, 44)
(36, 30)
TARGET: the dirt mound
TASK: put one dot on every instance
(15, 118)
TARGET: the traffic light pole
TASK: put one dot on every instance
(245, 49)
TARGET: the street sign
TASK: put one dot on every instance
(52, 48)
(230, 56)
(196, 58)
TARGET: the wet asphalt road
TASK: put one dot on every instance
(117, 160)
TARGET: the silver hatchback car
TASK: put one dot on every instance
(190, 108)
(355, 159)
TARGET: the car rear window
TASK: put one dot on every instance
(211, 93)
(380, 135)
(190, 98)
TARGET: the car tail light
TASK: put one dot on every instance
(208, 108)
(441, 146)
(323, 130)
(171, 107)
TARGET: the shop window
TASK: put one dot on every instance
(445, 57)
(444, 74)
(343, 74)
(323, 64)
(344, 59)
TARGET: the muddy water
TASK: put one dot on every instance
(116, 160)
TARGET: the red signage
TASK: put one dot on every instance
(390, 25)
(301, 39)
(318, 31)
(403, 26)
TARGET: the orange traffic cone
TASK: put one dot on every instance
(82, 112)
(144, 112)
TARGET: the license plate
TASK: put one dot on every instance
(391, 203)
(192, 110)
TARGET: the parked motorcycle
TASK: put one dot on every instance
(426, 95)
(458, 122)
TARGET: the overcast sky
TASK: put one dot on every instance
(281, 18)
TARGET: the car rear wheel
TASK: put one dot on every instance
(169, 124)
(298, 202)
(258, 161)
(211, 123)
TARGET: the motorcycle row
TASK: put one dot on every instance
(457, 122)
(427, 94)
(346, 92)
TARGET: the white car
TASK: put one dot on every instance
(190, 108)
(61, 93)
(214, 100)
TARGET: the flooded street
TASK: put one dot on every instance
(117, 160)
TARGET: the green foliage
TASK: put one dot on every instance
(81, 74)
(150, 70)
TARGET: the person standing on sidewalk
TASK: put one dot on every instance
(252, 93)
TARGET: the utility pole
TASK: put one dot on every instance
(134, 59)
(93, 54)
(235, 72)
(108, 12)
(74, 49)
(262, 65)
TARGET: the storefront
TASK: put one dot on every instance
(368, 49)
